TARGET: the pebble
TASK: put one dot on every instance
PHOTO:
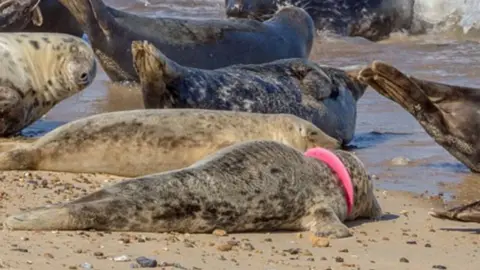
(339, 259)
(146, 262)
(438, 266)
(400, 161)
(98, 253)
(218, 232)
(343, 250)
(428, 245)
(224, 247)
(122, 258)
(319, 241)
(86, 265)
(412, 242)
(247, 246)
(48, 256)
(404, 260)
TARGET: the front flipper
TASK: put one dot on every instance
(465, 213)
(447, 113)
(12, 112)
(323, 222)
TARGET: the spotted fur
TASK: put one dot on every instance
(37, 71)
(250, 186)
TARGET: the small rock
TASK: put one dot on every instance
(268, 240)
(404, 260)
(427, 245)
(412, 242)
(323, 258)
(224, 247)
(343, 250)
(146, 262)
(438, 266)
(307, 252)
(24, 238)
(122, 258)
(339, 259)
(98, 253)
(73, 267)
(218, 232)
(400, 161)
(299, 235)
(222, 258)
(319, 241)
(292, 251)
(48, 256)
(310, 259)
(20, 249)
(247, 246)
(86, 265)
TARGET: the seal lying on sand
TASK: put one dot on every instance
(207, 44)
(37, 16)
(465, 213)
(447, 113)
(251, 186)
(322, 95)
(371, 19)
(139, 142)
(37, 71)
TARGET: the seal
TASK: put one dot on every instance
(464, 213)
(37, 16)
(448, 113)
(324, 96)
(371, 19)
(250, 186)
(206, 44)
(139, 142)
(37, 71)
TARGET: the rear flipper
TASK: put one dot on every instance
(465, 213)
(107, 214)
(446, 112)
(155, 70)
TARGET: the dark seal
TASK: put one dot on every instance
(37, 16)
(206, 44)
(371, 19)
(324, 96)
(251, 186)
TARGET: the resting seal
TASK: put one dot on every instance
(251, 186)
(465, 213)
(207, 44)
(140, 142)
(322, 95)
(449, 114)
(37, 16)
(37, 71)
(371, 19)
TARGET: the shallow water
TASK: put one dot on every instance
(384, 129)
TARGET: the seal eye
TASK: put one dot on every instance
(84, 77)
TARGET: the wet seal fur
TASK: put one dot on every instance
(37, 71)
(322, 95)
(448, 113)
(371, 19)
(251, 186)
(464, 213)
(207, 44)
(47, 16)
(140, 142)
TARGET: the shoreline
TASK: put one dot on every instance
(405, 233)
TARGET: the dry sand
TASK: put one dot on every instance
(406, 237)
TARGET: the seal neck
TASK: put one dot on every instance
(336, 165)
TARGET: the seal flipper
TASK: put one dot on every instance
(432, 105)
(465, 213)
(155, 71)
(323, 222)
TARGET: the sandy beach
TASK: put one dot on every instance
(405, 238)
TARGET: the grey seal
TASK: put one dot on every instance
(250, 186)
(37, 71)
(323, 95)
(202, 43)
(139, 142)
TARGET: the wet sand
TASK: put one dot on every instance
(406, 238)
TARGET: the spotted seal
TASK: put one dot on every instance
(37, 71)
(371, 19)
(201, 43)
(323, 95)
(139, 142)
(449, 114)
(37, 16)
(250, 186)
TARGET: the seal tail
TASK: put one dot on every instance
(41, 219)
(465, 213)
(18, 158)
(155, 71)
